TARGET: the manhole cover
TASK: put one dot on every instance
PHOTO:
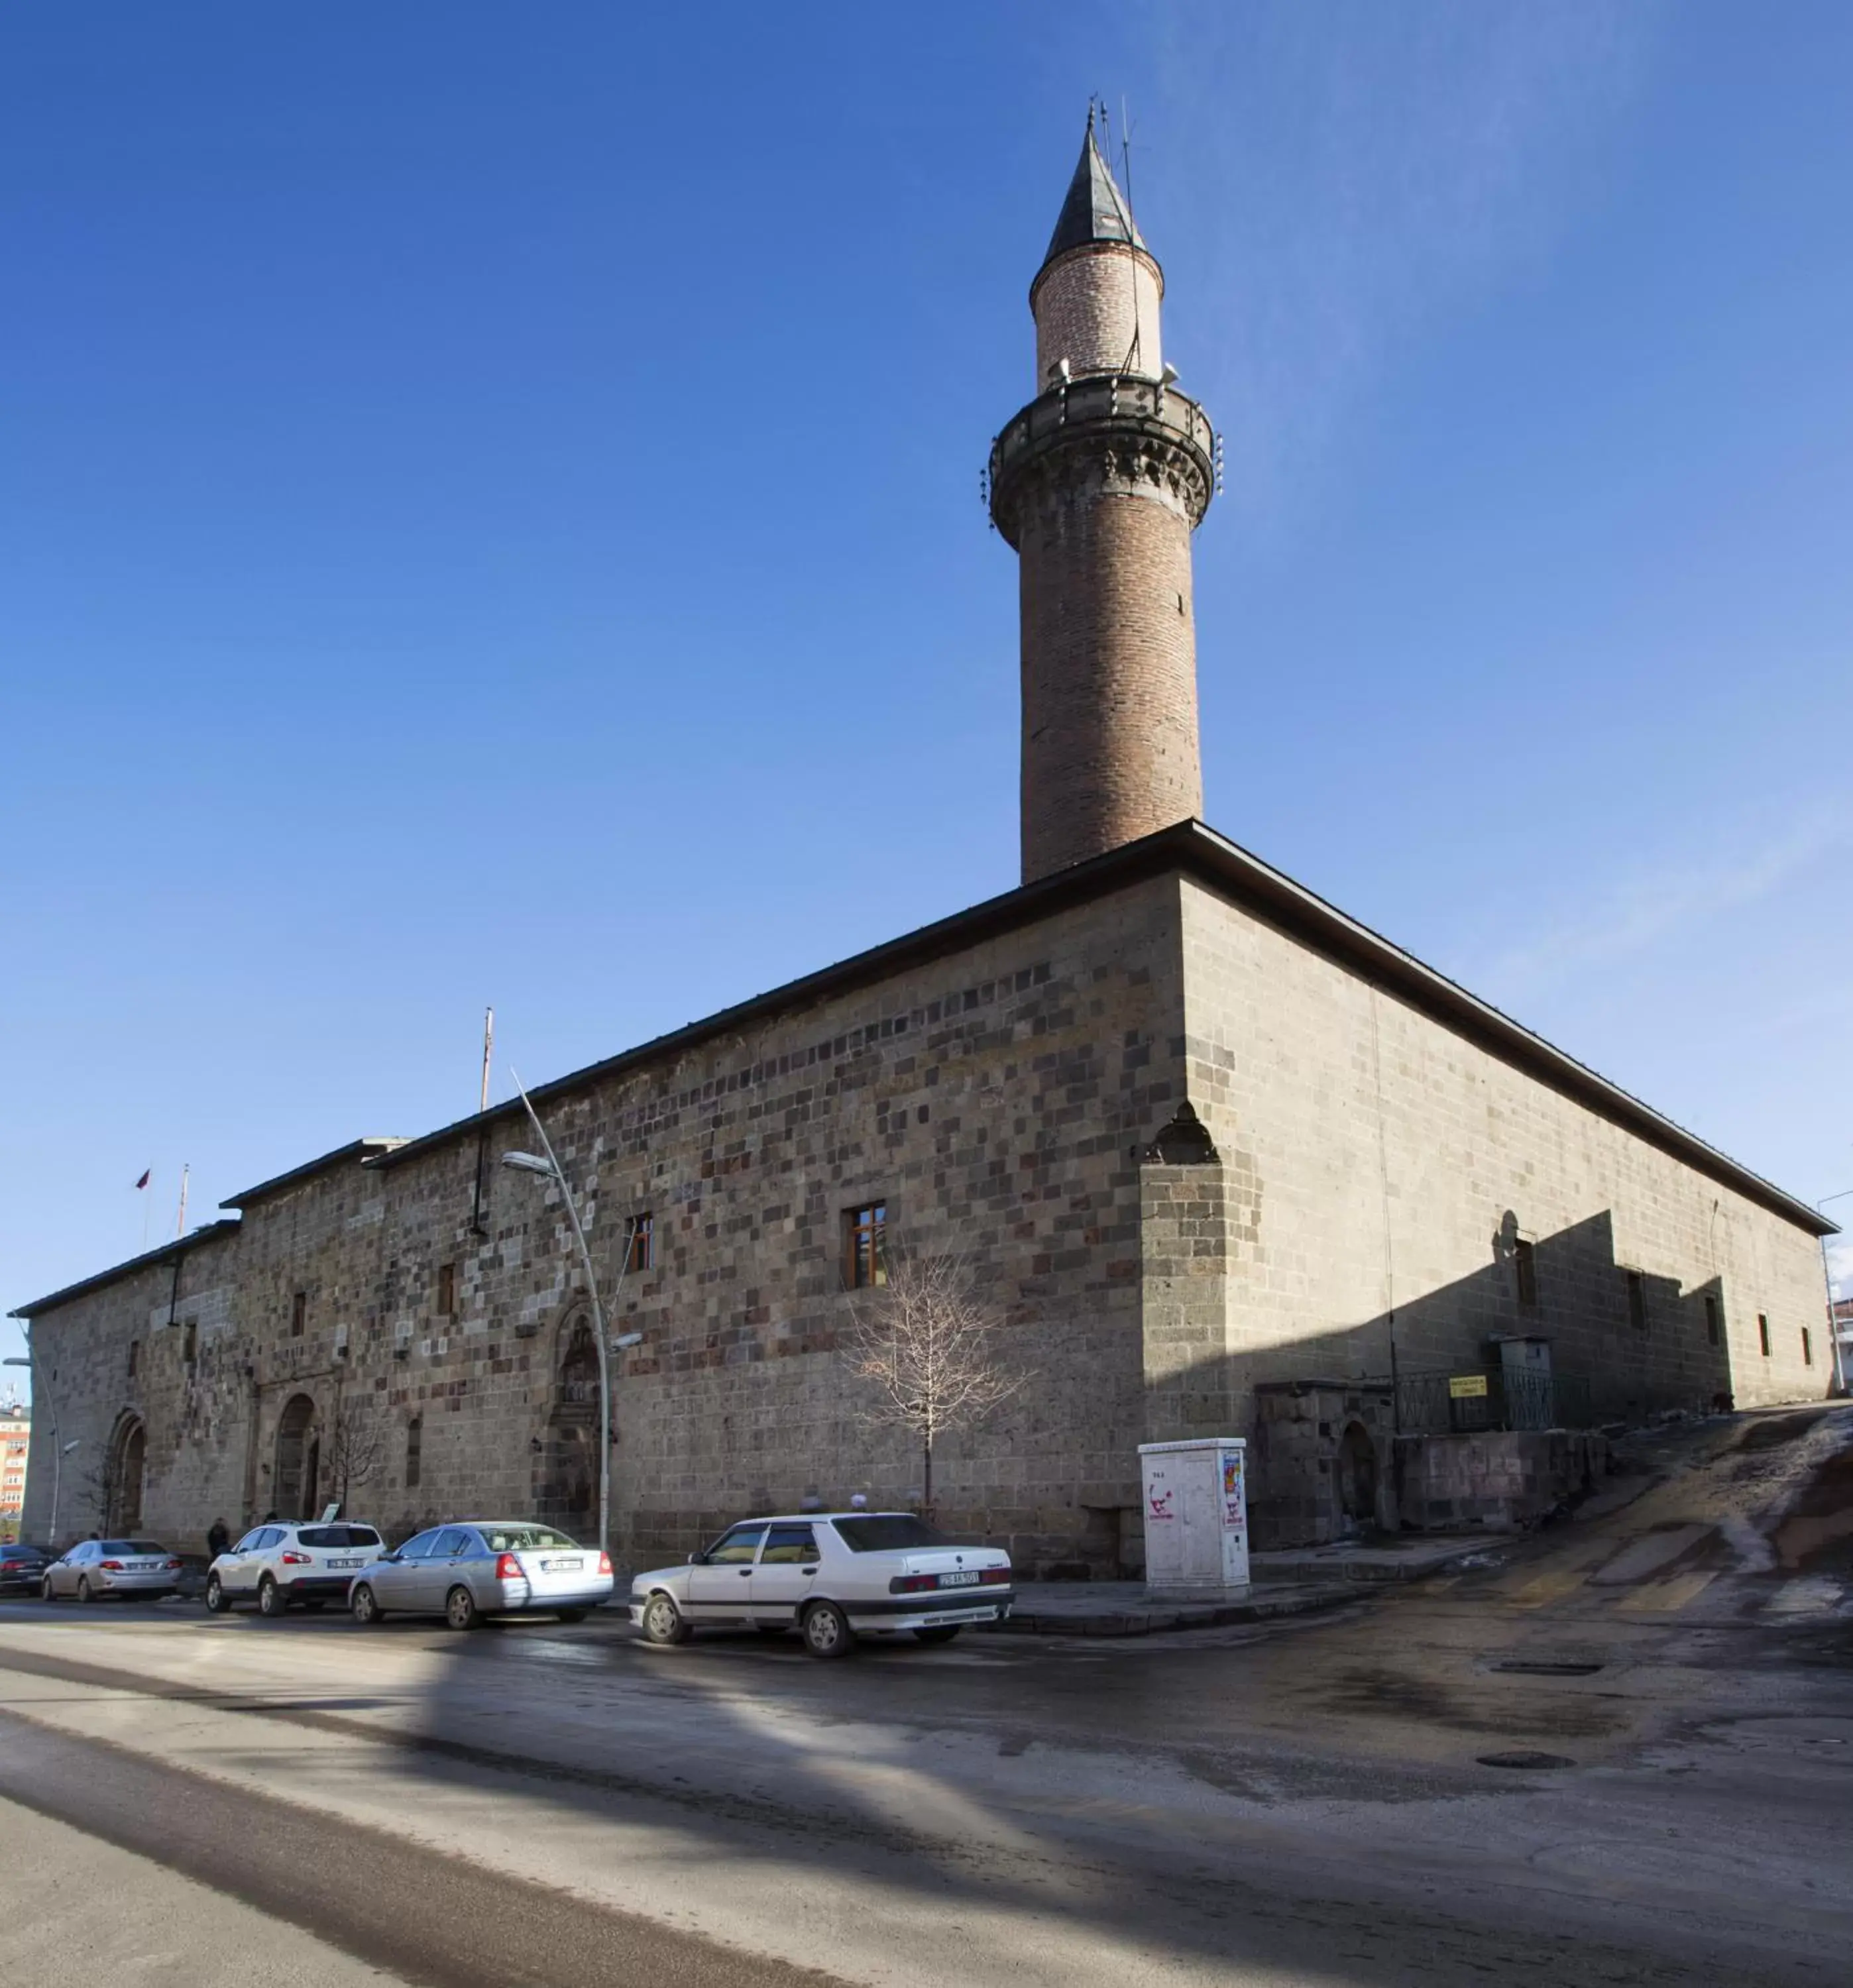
(1525, 1758)
(1545, 1667)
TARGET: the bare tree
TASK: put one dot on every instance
(355, 1450)
(929, 1342)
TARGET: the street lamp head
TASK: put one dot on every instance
(625, 1341)
(530, 1163)
(13, 1359)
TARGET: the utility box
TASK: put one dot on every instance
(1196, 1513)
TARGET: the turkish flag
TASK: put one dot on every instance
(146, 1177)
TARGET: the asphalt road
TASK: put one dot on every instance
(1310, 1803)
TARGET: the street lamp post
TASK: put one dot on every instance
(60, 1450)
(1827, 1278)
(549, 1168)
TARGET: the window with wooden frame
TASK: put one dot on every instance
(1636, 1300)
(1524, 1265)
(414, 1450)
(446, 1290)
(1763, 1333)
(865, 1246)
(299, 1314)
(640, 1251)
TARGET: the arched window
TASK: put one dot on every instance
(415, 1451)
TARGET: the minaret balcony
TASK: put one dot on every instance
(1112, 431)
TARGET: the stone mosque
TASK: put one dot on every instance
(1225, 1160)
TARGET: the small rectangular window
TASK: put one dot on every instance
(1524, 1263)
(1763, 1333)
(865, 1237)
(641, 1253)
(1807, 1348)
(1711, 1321)
(1636, 1300)
(299, 1314)
(189, 1347)
(134, 1357)
(414, 1450)
(446, 1290)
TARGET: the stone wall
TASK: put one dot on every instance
(1389, 1167)
(1498, 1481)
(994, 1099)
(1321, 1462)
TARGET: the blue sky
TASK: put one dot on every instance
(489, 512)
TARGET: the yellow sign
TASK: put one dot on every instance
(1462, 1386)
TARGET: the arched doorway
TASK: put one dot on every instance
(295, 1481)
(128, 1456)
(566, 1486)
(1357, 1477)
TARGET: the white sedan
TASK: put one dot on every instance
(833, 1575)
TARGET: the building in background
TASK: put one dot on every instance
(15, 1446)
(1227, 1162)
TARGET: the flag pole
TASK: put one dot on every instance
(180, 1221)
(489, 1045)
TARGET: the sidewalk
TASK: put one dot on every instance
(1300, 1582)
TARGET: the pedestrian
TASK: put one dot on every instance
(270, 1518)
(217, 1540)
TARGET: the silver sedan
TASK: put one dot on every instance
(484, 1566)
(129, 1569)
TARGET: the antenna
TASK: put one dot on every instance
(1136, 349)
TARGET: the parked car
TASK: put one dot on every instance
(130, 1569)
(484, 1566)
(23, 1566)
(276, 1565)
(832, 1577)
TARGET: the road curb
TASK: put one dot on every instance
(1155, 1621)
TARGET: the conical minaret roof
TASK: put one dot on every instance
(1095, 209)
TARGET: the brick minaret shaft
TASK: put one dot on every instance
(1098, 484)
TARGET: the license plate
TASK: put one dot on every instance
(343, 1562)
(969, 1579)
(562, 1566)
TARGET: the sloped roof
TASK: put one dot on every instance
(1095, 210)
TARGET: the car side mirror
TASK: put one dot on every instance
(694, 1560)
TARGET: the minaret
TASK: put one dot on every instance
(1098, 484)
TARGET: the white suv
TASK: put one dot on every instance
(278, 1563)
(833, 1575)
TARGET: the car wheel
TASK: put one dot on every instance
(271, 1599)
(363, 1605)
(460, 1609)
(826, 1630)
(570, 1614)
(46, 1591)
(84, 1588)
(943, 1633)
(663, 1622)
(217, 1601)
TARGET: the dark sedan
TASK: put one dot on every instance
(23, 1567)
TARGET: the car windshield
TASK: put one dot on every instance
(339, 1536)
(890, 1532)
(523, 1539)
(130, 1547)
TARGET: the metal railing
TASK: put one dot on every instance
(1436, 1404)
